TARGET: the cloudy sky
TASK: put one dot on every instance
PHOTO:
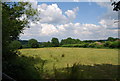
(81, 20)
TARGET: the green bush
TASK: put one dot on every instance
(99, 46)
(25, 46)
(95, 45)
(46, 44)
(92, 45)
(115, 44)
(107, 44)
(15, 45)
(84, 45)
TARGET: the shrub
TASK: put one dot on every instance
(15, 45)
(99, 46)
(115, 44)
(96, 45)
(107, 44)
(92, 45)
(26, 46)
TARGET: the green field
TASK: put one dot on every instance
(66, 57)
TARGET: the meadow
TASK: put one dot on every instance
(57, 61)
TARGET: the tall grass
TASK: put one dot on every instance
(73, 63)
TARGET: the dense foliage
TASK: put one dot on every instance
(33, 43)
(15, 45)
(70, 42)
(12, 26)
(112, 39)
(55, 42)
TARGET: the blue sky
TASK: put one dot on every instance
(90, 12)
(82, 20)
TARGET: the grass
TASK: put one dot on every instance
(60, 57)
(72, 55)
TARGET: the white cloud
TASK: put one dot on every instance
(72, 13)
(56, 23)
(76, 30)
(48, 29)
(76, 0)
(51, 14)
(32, 2)
(109, 24)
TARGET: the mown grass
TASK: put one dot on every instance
(59, 58)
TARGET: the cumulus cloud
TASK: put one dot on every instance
(72, 13)
(52, 14)
(56, 23)
(75, 30)
(48, 29)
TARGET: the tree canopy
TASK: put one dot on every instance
(55, 42)
(33, 43)
(69, 40)
(12, 24)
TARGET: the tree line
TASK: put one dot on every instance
(68, 42)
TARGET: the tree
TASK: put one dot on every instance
(111, 39)
(116, 6)
(15, 45)
(78, 41)
(12, 25)
(55, 42)
(46, 44)
(69, 40)
(33, 43)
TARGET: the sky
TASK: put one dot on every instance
(79, 20)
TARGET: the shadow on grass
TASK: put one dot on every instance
(97, 71)
(32, 68)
